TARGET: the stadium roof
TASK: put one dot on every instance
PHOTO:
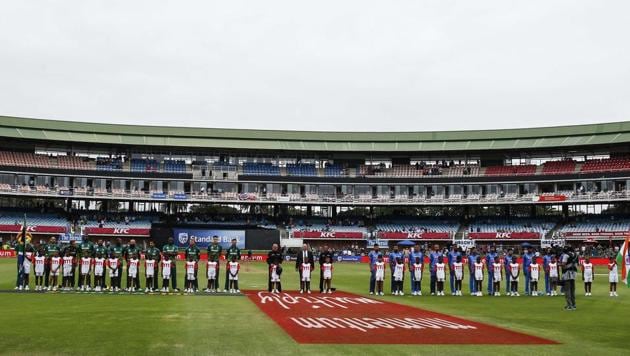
(478, 140)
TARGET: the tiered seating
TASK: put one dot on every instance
(428, 225)
(398, 170)
(457, 171)
(331, 228)
(144, 165)
(301, 170)
(175, 166)
(333, 170)
(74, 162)
(558, 167)
(612, 164)
(109, 164)
(592, 223)
(23, 159)
(494, 225)
(261, 169)
(140, 223)
(32, 219)
(528, 169)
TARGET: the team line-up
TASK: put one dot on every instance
(55, 269)
(478, 270)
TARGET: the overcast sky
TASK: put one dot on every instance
(317, 65)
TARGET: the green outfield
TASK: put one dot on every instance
(58, 323)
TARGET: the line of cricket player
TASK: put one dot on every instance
(498, 269)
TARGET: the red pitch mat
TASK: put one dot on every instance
(343, 318)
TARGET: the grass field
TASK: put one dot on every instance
(131, 324)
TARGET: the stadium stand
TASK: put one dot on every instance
(601, 165)
(456, 171)
(520, 170)
(261, 169)
(107, 164)
(559, 167)
(333, 170)
(301, 170)
(174, 166)
(74, 162)
(23, 159)
(494, 225)
(34, 219)
(399, 170)
(144, 165)
(426, 225)
(597, 223)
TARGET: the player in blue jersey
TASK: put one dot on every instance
(490, 257)
(527, 260)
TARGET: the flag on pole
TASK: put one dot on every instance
(24, 229)
(623, 261)
(21, 252)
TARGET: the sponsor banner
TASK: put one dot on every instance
(556, 197)
(259, 257)
(122, 231)
(344, 318)
(597, 234)
(158, 195)
(503, 235)
(465, 244)
(70, 237)
(34, 229)
(7, 253)
(380, 243)
(203, 237)
(413, 235)
(180, 196)
(544, 243)
(283, 199)
(64, 192)
(328, 234)
(342, 258)
(247, 196)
